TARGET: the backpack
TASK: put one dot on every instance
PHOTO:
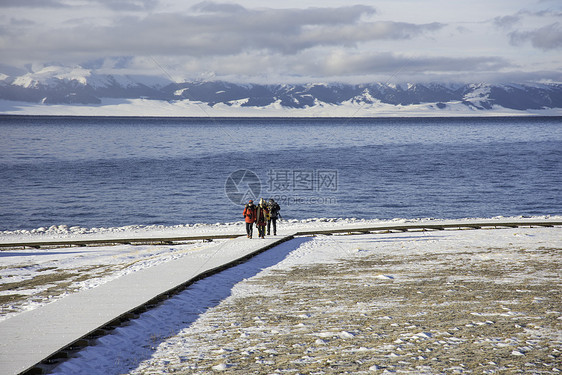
(274, 210)
(249, 210)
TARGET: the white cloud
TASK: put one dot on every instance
(250, 40)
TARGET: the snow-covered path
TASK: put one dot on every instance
(472, 301)
(56, 325)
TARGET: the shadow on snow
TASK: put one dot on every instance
(127, 346)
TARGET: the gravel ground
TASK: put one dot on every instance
(473, 310)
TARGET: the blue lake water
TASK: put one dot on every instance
(109, 172)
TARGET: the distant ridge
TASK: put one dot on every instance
(79, 86)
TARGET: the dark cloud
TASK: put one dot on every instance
(506, 22)
(17, 22)
(32, 4)
(219, 31)
(545, 38)
(128, 5)
(118, 5)
(510, 21)
(212, 7)
(11, 70)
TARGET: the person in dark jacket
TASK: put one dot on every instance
(250, 217)
(261, 217)
(273, 215)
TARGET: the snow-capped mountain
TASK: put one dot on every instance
(77, 85)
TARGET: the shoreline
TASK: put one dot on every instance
(310, 118)
(372, 299)
(155, 108)
(65, 232)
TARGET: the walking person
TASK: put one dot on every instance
(261, 217)
(273, 215)
(250, 217)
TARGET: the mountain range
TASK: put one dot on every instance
(81, 86)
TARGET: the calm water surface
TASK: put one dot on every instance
(108, 172)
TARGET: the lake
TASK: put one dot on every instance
(109, 172)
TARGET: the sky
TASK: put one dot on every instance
(391, 41)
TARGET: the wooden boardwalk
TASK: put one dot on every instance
(351, 229)
(430, 226)
(33, 339)
(112, 241)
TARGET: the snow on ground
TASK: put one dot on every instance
(31, 278)
(454, 301)
(429, 302)
(64, 232)
(186, 108)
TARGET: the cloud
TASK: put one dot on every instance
(339, 65)
(506, 22)
(32, 4)
(117, 5)
(128, 5)
(16, 22)
(212, 7)
(546, 38)
(342, 63)
(365, 32)
(213, 29)
(242, 41)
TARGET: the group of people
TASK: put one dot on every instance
(264, 215)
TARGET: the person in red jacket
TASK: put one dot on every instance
(250, 217)
(262, 215)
